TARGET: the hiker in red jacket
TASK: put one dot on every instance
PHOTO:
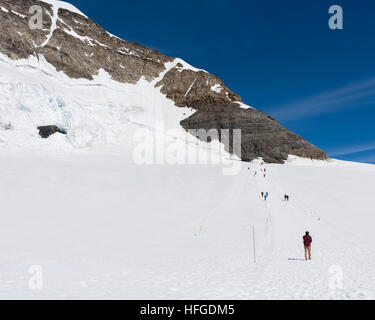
(307, 243)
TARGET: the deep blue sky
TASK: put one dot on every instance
(280, 56)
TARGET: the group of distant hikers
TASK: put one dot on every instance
(263, 170)
(264, 195)
(307, 239)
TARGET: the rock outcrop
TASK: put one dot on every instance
(47, 131)
(261, 135)
(79, 47)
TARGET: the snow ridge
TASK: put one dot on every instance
(56, 8)
(192, 85)
(64, 5)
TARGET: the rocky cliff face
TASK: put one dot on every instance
(261, 135)
(79, 47)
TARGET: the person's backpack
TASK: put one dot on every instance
(307, 240)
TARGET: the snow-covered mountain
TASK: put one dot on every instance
(78, 221)
(73, 74)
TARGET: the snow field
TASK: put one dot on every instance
(101, 226)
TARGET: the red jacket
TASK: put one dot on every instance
(307, 240)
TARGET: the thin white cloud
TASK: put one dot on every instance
(364, 158)
(349, 96)
(354, 149)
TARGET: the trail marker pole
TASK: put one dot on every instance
(201, 227)
(254, 244)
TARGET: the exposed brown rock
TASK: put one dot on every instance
(261, 135)
(188, 88)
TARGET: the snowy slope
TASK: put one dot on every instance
(94, 113)
(102, 227)
(33, 93)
